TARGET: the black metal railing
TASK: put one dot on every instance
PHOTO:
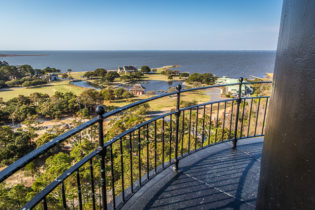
(110, 174)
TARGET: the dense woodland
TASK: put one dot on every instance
(194, 133)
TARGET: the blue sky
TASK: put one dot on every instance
(139, 25)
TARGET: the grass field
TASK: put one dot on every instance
(77, 75)
(165, 103)
(50, 89)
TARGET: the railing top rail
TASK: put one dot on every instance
(223, 85)
(20, 163)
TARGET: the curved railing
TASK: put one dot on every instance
(116, 169)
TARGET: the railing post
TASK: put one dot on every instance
(177, 114)
(100, 110)
(237, 111)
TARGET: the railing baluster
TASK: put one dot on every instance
(45, 203)
(196, 131)
(177, 114)
(237, 112)
(79, 190)
(64, 202)
(131, 166)
(148, 159)
(250, 116)
(262, 130)
(210, 124)
(183, 133)
(171, 134)
(163, 143)
(217, 126)
(99, 196)
(257, 116)
(92, 184)
(122, 170)
(242, 118)
(155, 147)
(139, 154)
(100, 110)
(189, 134)
(203, 125)
(222, 138)
(112, 173)
(231, 119)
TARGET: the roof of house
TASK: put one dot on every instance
(127, 68)
(137, 87)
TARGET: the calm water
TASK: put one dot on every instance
(222, 63)
(150, 85)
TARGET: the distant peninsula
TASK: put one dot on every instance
(14, 55)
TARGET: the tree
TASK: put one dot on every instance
(111, 76)
(145, 69)
(184, 74)
(64, 76)
(81, 149)
(2, 84)
(26, 70)
(50, 70)
(100, 72)
(108, 94)
(30, 122)
(14, 197)
(206, 78)
(90, 98)
(45, 138)
(125, 78)
(69, 71)
(9, 73)
(14, 145)
(58, 105)
(88, 74)
(119, 92)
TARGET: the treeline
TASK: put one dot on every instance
(206, 78)
(60, 104)
(103, 74)
(110, 76)
(23, 75)
(173, 73)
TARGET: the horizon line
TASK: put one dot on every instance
(144, 50)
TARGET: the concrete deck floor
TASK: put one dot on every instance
(217, 177)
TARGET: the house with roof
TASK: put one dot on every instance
(233, 90)
(137, 89)
(126, 69)
(52, 77)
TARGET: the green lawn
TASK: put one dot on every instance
(50, 89)
(159, 77)
(165, 103)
